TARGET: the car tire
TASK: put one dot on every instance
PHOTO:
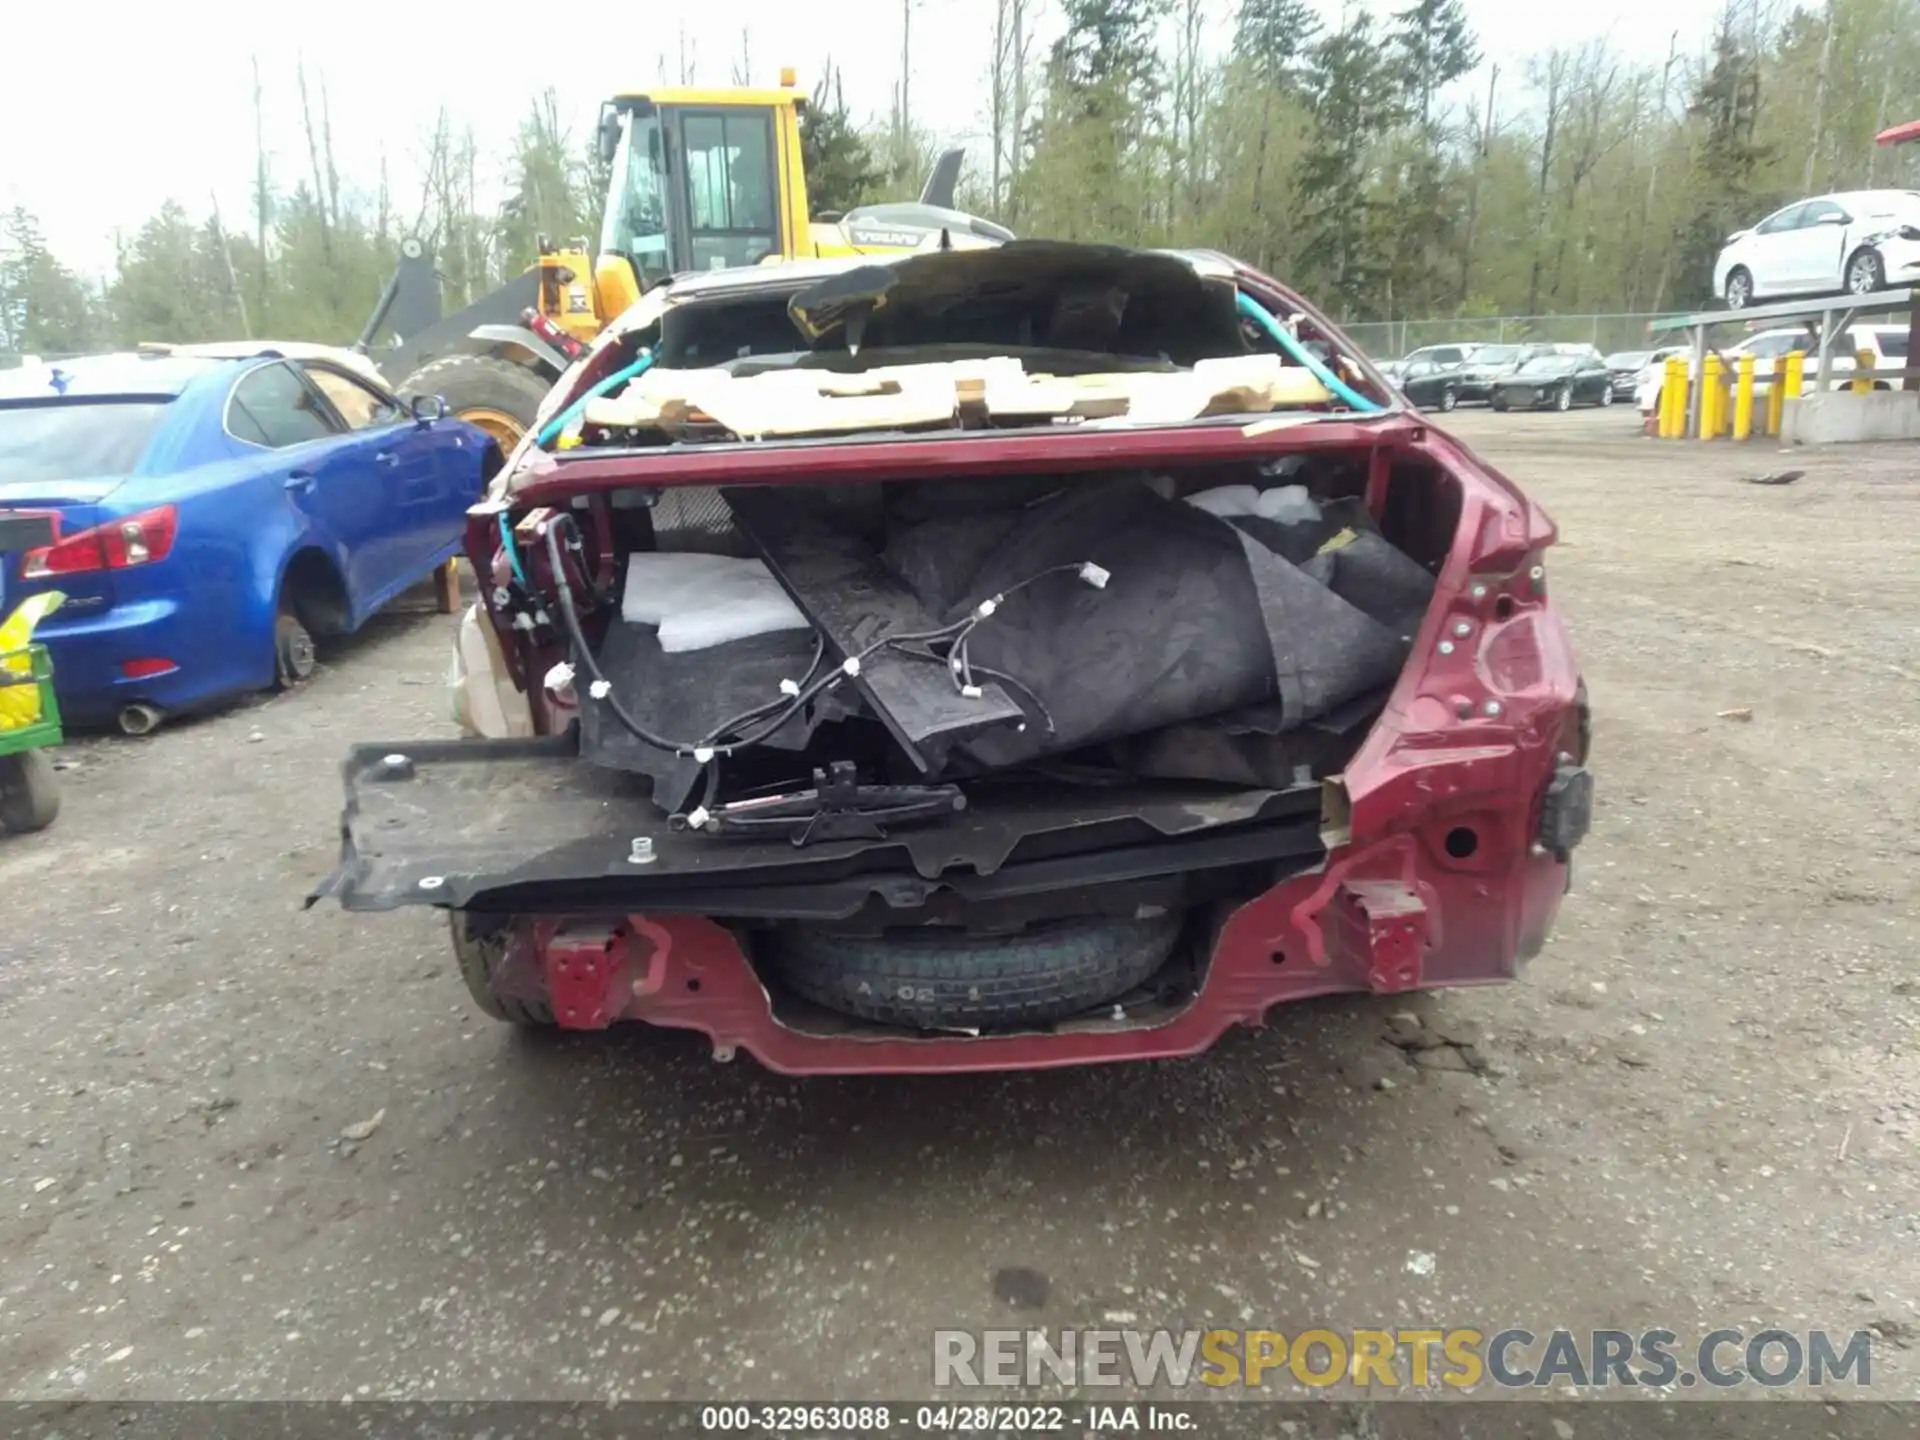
(1449, 398)
(1739, 288)
(942, 978)
(1606, 396)
(1563, 398)
(480, 948)
(1497, 401)
(497, 395)
(1866, 272)
(294, 655)
(29, 793)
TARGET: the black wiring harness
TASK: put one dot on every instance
(750, 727)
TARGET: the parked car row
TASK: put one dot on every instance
(1522, 375)
(216, 511)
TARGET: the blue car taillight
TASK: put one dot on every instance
(114, 545)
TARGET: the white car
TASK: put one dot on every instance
(1886, 343)
(286, 349)
(1858, 242)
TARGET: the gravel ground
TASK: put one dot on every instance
(1703, 1108)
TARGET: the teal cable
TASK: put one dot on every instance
(1283, 337)
(594, 392)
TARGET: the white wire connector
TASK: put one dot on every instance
(599, 689)
(790, 688)
(559, 677)
(1095, 575)
(971, 692)
(986, 608)
(697, 818)
(702, 754)
(850, 666)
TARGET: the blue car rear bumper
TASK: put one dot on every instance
(90, 652)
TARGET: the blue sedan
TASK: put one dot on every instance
(215, 515)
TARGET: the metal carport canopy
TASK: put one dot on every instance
(1825, 308)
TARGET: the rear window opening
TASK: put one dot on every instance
(44, 441)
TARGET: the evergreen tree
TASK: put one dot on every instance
(841, 169)
(1354, 100)
(549, 196)
(1106, 56)
(44, 307)
(1728, 157)
(1271, 39)
(166, 288)
(1433, 45)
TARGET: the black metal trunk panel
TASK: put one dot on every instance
(528, 824)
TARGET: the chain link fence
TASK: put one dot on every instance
(1391, 339)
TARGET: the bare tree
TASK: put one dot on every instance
(1817, 134)
(1551, 74)
(904, 119)
(1189, 100)
(262, 195)
(313, 155)
(233, 276)
(689, 56)
(1485, 127)
(1660, 121)
(1007, 95)
(1591, 85)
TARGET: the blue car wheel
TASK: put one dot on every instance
(294, 658)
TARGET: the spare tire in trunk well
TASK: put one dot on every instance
(941, 978)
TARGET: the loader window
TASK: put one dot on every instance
(730, 189)
(636, 218)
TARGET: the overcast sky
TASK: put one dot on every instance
(135, 103)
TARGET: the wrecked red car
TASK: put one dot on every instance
(986, 659)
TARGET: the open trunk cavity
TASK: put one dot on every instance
(1238, 624)
(1009, 747)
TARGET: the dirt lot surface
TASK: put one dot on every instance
(1703, 1110)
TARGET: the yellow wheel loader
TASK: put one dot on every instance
(700, 180)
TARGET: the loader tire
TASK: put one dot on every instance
(497, 395)
(943, 978)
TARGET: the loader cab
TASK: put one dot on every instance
(700, 180)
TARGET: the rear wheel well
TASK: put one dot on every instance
(314, 592)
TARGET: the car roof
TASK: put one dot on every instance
(103, 376)
(350, 360)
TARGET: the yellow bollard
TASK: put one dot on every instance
(1863, 361)
(1743, 400)
(1713, 397)
(1776, 400)
(1673, 400)
(1795, 366)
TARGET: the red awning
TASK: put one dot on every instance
(1899, 133)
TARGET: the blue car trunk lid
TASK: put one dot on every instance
(75, 506)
